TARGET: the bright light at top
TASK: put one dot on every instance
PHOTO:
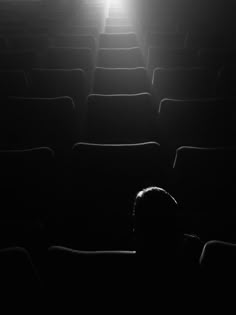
(115, 4)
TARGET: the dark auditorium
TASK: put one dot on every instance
(117, 155)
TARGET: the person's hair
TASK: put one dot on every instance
(154, 201)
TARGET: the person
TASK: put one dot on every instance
(159, 233)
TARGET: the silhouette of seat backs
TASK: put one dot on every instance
(13, 83)
(35, 43)
(171, 58)
(205, 39)
(184, 83)
(217, 58)
(119, 29)
(120, 118)
(111, 21)
(80, 30)
(69, 58)
(165, 40)
(26, 177)
(199, 122)
(17, 60)
(110, 81)
(59, 82)
(32, 122)
(126, 40)
(120, 58)
(204, 185)
(75, 41)
(19, 279)
(86, 271)
(218, 261)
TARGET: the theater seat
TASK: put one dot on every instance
(126, 40)
(69, 58)
(19, 280)
(184, 83)
(171, 58)
(24, 60)
(204, 186)
(33, 122)
(120, 118)
(199, 122)
(22, 43)
(120, 81)
(58, 82)
(75, 41)
(69, 268)
(119, 29)
(13, 83)
(120, 58)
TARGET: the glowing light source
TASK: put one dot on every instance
(115, 3)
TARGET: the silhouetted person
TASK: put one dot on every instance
(159, 235)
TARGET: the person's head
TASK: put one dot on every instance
(155, 216)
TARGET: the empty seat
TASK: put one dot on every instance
(75, 41)
(120, 81)
(32, 122)
(69, 58)
(126, 40)
(119, 29)
(217, 58)
(207, 122)
(218, 261)
(120, 58)
(36, 43)
(165, 40)
(86, 270)
(120, 118)
(79, 30)
(171, 58)
(17, 60)
(13, 83)
(116, 13)
(26, 178)
(204, 180)
(19, 279)
(160, 24)
(208, 40)
(183, 83)
(110, 21)
(56, 82)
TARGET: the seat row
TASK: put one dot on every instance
(67, 269)
(58, 123)
(54, 80)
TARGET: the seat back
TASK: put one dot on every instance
(26, 183)
(184, 83)
(120, 58)
(120, 81)
(120, 118)
(58, 82)
(75, 41)
(69, 58)
(33, 122)
(126, 40)
(202, 122)
(13, 83)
